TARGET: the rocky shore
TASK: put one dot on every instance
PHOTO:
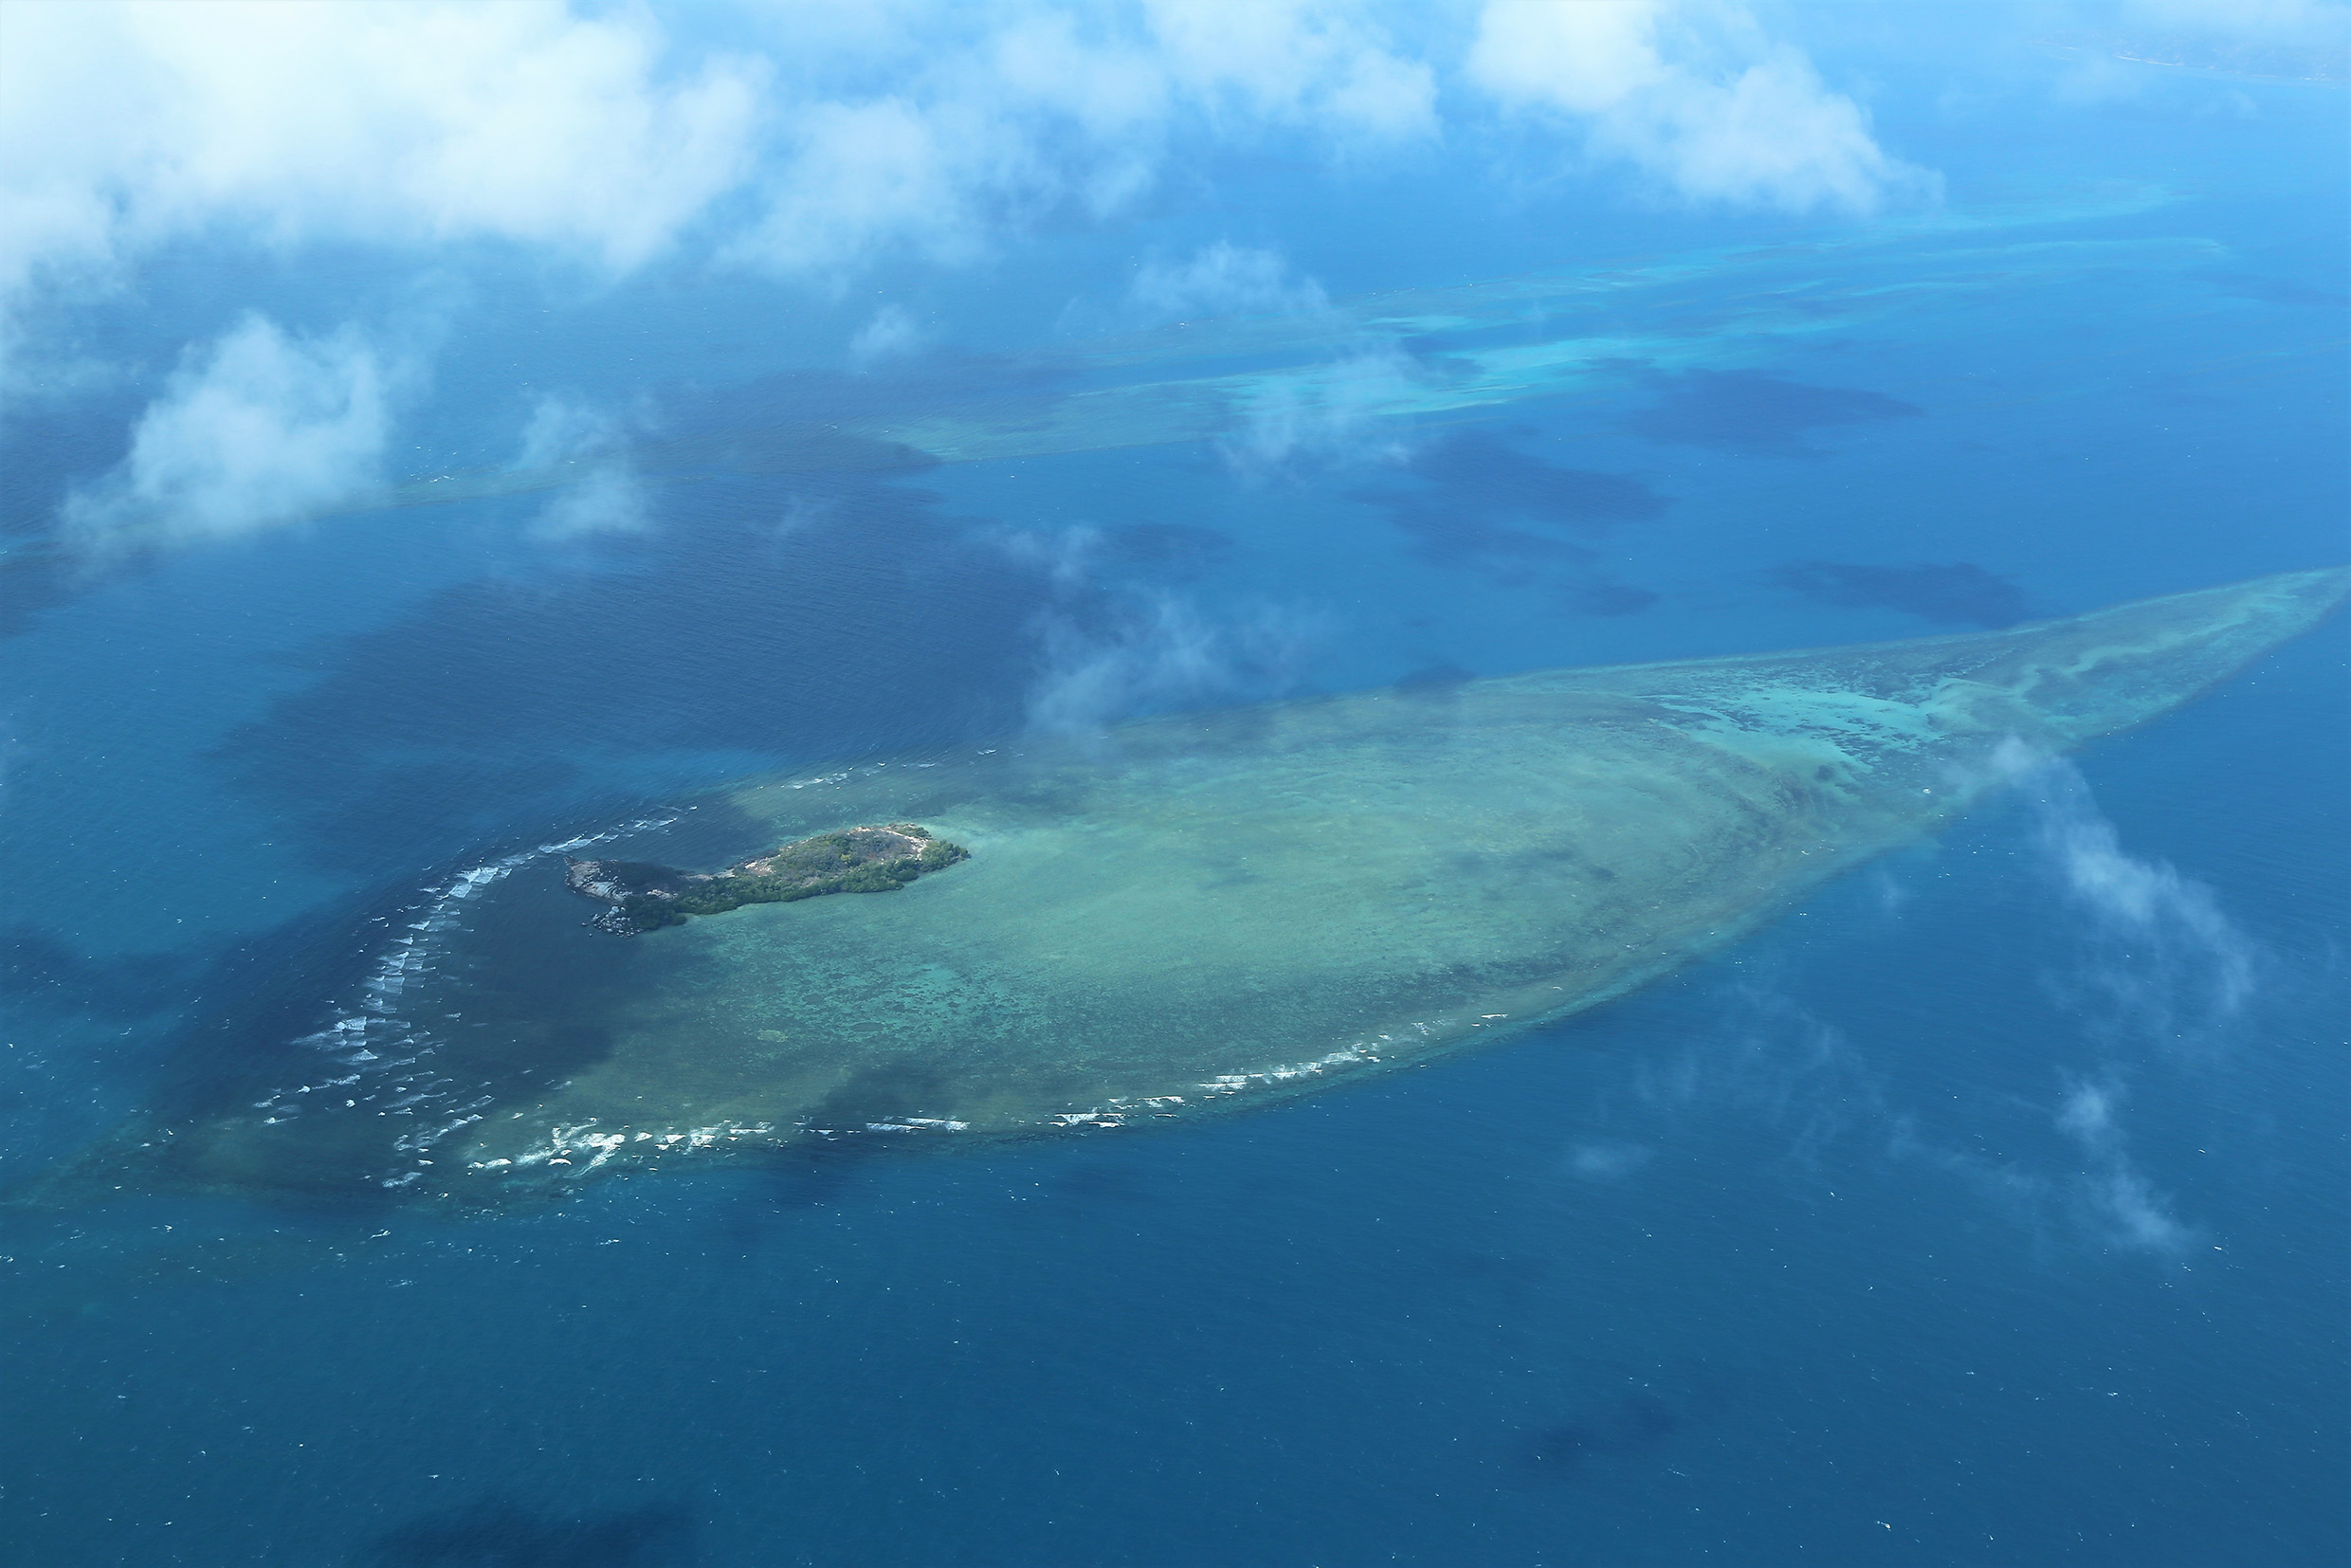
(643, 896)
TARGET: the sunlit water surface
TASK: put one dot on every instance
(1987, 1208)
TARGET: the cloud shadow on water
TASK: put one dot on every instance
(499, 1533)
(1753, 414)
(1956, 593)
(1473, 500)
(1629, 1423)
(39, 972)
(801, 617)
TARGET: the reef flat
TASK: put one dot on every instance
(1194, 912)
(648, 897)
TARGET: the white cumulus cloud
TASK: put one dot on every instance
(979, 124)
(1693, 94)
(125, 125)
(260, 428)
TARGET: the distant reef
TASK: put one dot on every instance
(646, 897)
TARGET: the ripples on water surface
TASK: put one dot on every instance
(1986, 1209)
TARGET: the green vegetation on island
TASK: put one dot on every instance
(647, 897)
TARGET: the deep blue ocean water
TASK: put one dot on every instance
(1953, 1219)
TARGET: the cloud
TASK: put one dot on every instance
(1759, 1058)
(128, 125)
(800, 142)
(1608, 1162)
(263, 428)
(810, 142)
(892, 333)
(1218, 279)
(1334, 414)
(1160, 653)
(1769, 1063)
(1107, 653)
(1694, 96)
(914, 128)
(608, 497)
(1292, 61)
(929, 129)
(2109, 47)
(2247, 34)
(560, 430)
(2156, 956)
(2167, 963)
(1224, 278)
(976, 130)
(891, 174)
(2116, 1195)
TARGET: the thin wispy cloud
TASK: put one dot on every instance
(1606, 1160)
(2156, 971)
(1220, 279)
(2064, 1166)
(563, 430)
(1764, 1060)
(890, 334)
(1107, 652)
(1224, 278)
(1335, 414)
(2115, 1196)
(2161, 960)
(609, 497)
(2109, 47)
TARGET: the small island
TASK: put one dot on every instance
(646, 897)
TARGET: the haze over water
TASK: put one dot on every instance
(506, 423)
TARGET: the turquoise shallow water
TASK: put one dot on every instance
(1987, 1208)
(1181, 914)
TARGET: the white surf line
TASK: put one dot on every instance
(576, 1149)
(1355, 1055)
(1116, 1113)
(568, 1145)
(388, 1053)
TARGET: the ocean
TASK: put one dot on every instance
(1989, 1208)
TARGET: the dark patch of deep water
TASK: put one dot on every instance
(793, 618)
(1949, 1222)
